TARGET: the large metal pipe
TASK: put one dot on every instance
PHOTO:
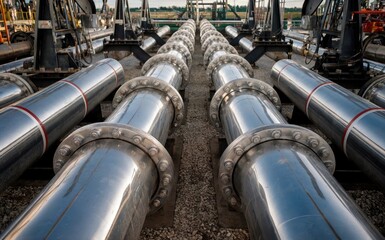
(21, 49)
(14, 50)
(120, 165)
(352, 123)
(273, 171)
(29, 127)
(14, 88)
(375, 52)
(247, 45)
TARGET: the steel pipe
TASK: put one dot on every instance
(14, 88)
(374, 90)
(275, 172)
(352, 123)
(247, 45)
(375, 52)
(14, 50)
(29, 127)
(122, 163)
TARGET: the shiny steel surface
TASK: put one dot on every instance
(289, 194)
(13, 88)
(33, 124)
(374, 90)
(378, 67)
(150, 42)
(7, 67)
(375, 52)
(227, 73)
(148, 110)
(285, 189)
(89, 196)
(244, 111)
(167, 73)
(109, 169)
(352, 123)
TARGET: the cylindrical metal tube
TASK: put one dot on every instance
(270, 168)
(352, 123)
(374, 90)
(13, 88)
(121, 162)
(150, 41)
(14, 50)
(375, 52)
(32, 125)
(92, 204)
(295, 197)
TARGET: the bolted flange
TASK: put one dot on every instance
(187, 27)
(208, 34)
(178, 63)
(142, 140)
(369, 89)
(206, 28)
(212, 40)
(237, 86)
(255, 137)
(26, 87)
(218, 47)
(153, 83)
(185, 33)
(177, 46)
(180, 38)
(226, 59)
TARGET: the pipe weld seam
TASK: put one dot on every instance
(280, 72)
(350, 125)
(116, 75)
(82, 94)
(310, 96)
(40, 125)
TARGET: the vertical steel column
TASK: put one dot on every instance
(352, 123)
(110, 175)
(273, 171)
(29, 127)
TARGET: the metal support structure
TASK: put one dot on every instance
(120, 165)
(14, 88)
(352, 123)
(272, 170)
(136, 46)
(274, 50)
(29, 127)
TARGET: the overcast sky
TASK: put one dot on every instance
(159, 3)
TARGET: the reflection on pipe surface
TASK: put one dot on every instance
(352, 123)
(29, 127)
(120, 165)
(275, 172)
(13, 88)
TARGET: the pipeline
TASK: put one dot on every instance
(374, 90)
(273, 171)
(14, 88)
(247, 45)
(29, 127)
(375, 52)
(21, 49)
(352, 123)
(147, 44)
(120, 165)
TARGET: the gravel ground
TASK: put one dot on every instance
(196, 216)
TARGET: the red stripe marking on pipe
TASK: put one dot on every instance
(42, 128)
(279, 74)
(345, 135)
(116, 75)
(81, 92)
(311, 93)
